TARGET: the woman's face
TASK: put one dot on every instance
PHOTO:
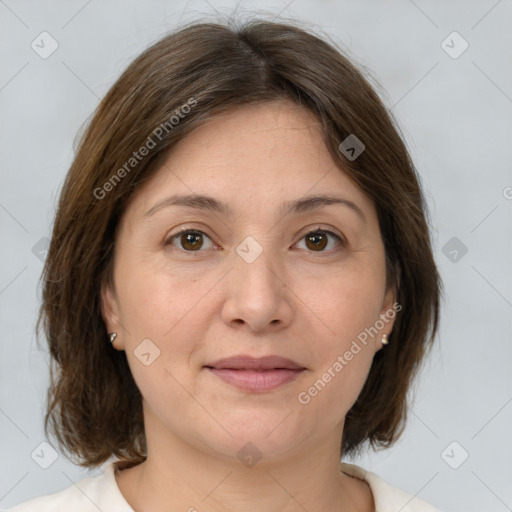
(253, 276)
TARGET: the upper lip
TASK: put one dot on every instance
(243, 362)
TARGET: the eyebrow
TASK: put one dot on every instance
(208, 203)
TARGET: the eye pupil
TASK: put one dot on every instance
(318, 239)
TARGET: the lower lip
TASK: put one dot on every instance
(256, 381)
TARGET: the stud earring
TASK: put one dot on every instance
(113, 336)
(385, 340)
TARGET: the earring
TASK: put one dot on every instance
(385, 339)
(113, 336)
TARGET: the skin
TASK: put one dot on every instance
(298, 300)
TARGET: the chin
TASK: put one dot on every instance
(268, 437)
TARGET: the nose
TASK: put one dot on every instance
(258, 297)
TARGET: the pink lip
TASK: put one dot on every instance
(256, 374)
(243, 362)
(256, 380)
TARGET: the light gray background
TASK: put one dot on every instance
(455, 114)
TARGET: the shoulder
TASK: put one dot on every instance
(88, 495)
(386, 497)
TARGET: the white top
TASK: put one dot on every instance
(102, 493)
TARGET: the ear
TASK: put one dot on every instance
(110, 313)
(389, 311)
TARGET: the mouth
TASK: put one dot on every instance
(256, 374)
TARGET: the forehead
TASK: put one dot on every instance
(274, 134)
(258, 155)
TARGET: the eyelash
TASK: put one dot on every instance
(176, 235)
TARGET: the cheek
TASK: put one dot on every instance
(170, 311)
(329, 395)
(155, 299)
(349, 300)
(344, 356)
(348, 304)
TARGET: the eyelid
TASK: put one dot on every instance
(326, 228)
(185, 229)
(329, 230)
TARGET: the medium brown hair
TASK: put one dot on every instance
(94, 407)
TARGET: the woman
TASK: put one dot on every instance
(240, 284)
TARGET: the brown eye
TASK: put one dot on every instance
(318, 240)
(189, 240)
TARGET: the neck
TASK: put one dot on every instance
(179, 475)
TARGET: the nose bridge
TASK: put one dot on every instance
(256, 268)
(256, 295)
